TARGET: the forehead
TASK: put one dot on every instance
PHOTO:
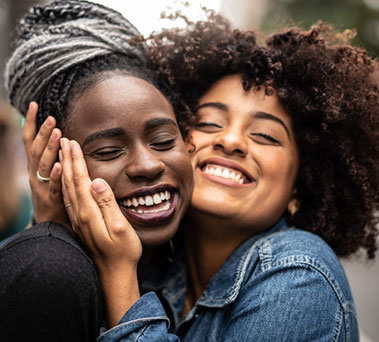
(229, 90)
(119, 100)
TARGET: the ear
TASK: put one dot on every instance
(294, 204)
(189, 144)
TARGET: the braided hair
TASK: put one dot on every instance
(65, 47)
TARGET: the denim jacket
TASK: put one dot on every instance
(282, 285)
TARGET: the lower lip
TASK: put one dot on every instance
(152, 218)
(223, 181)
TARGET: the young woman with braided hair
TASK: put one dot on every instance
(277, 131)
(79, 62)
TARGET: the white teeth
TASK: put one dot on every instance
(218, 172)
(149, 201)
(225, 173)
(157, 199)
(210, 171)
(165, 207)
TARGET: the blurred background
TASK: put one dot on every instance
(268, 16)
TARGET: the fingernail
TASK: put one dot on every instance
(98, 185)
(63, 142)
(60, 155)
(48, 122)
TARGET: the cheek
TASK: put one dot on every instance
(281, 169)
(108, 171)
(200, 139)
(179, 162)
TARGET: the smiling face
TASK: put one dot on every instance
(246, 158)
(130, 138)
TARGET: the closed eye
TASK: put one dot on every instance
(208, 127)
(263, 137)
(107, 153)
(162, 144)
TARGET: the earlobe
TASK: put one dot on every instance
(293, 206)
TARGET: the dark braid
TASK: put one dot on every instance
(57, 37)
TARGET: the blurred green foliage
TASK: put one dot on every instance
(362, 15)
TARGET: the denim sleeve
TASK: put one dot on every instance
(296, 302)
(145, 321)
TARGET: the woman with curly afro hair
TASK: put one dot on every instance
(284, 144)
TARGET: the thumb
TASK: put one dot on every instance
(104, 197)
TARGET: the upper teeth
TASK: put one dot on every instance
(148, 200)
(225, 173)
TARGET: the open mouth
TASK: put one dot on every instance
(152, 208)
(226, 173)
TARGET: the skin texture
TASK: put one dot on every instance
(232, 131)
(231, 128)
(130, 156)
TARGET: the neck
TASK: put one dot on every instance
(209, 242)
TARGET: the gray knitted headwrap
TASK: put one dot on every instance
(57, 36)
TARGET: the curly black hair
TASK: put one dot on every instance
(329, 90)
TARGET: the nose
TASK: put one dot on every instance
(231, 141)
(144, 163)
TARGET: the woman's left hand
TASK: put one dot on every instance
(94, 212)
(97, 219)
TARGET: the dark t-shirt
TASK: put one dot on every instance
(49, 288)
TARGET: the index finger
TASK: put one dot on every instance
(30, 126)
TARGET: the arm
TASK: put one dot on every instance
(42, 153)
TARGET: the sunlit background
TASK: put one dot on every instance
(267, 15)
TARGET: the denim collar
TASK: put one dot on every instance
(223, 287)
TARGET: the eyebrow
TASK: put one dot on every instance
(106, 133)
(217, 105)
(267, 116)
(118, 131)
(257, 115)
(157, 122)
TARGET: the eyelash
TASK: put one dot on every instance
(107, 154)
(207, 124)
(165, 144)
(263, 135)
(266, 136)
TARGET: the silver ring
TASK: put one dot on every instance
(42, 179)
(67, 205)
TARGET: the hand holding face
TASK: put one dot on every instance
(97, 219)
(42, 152)
(95, 214)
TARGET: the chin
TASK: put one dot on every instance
(156, 235)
